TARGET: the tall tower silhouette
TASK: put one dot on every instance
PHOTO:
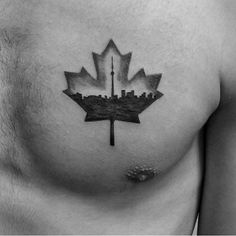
(112, 77)
(112, 121)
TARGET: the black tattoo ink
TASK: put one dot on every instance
(128, 106)
(141, 174)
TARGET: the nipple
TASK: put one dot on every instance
(141, 174)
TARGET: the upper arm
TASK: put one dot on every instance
(218, 205)
(218, 209)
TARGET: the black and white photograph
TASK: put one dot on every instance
(117, 117)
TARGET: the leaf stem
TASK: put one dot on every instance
(112, 135)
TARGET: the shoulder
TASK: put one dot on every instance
(226, 25)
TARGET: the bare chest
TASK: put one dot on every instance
(136, 91)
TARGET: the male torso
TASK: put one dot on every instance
(77, 182)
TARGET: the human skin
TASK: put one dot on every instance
(217, 213)
(59, 174)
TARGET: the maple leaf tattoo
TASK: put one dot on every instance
(112, 79)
